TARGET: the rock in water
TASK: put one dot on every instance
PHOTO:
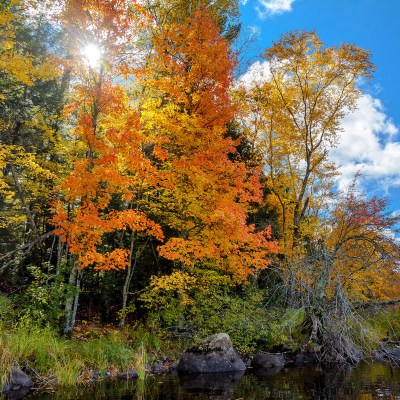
(215, 354)
(18, 380)
(268, 360)
(303, 359)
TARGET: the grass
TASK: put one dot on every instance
(141, 361)
(386, 323)
(54, 359)
(51, 359)
(6, 360)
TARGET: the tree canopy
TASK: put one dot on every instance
(137, 173)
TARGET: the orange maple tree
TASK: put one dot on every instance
(113, 167)
(159, 133)
(207, 191)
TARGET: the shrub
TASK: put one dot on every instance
(43, 301)
(7, 315)
(196, 307)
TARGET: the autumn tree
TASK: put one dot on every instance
(225, 13)
(206, 194)
(130, 151)
(364, 249)
(353, 261)
(292, 119)
(32, 86)
(98, 215)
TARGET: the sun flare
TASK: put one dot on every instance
(92, 54)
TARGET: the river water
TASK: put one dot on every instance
(362, 382)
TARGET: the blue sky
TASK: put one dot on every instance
(371, 137)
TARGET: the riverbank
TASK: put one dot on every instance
(92, 353)
(95, 352)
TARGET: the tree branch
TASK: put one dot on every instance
(26, 246)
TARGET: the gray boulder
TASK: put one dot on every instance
(18, 380)
(215, 354)
(268, 360)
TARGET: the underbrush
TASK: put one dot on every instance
(385, 322)
(189, 312)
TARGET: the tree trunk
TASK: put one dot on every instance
(59, 255)
(127, 283)
(125, 292)
(129, 275)
(23, 200)
(76, 299)
(71, 302)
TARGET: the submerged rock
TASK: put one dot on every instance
(265, 360)
(220, 382)
(215, 354)
(18, 381)
(268, 360)
(303, 359)
(160, 369)
(267, 372)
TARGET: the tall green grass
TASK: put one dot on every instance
(141, 361)
(52, 359)
(6, 360)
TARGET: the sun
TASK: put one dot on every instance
(92, 54)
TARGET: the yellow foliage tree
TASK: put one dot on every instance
(30, 96)
(291, 120)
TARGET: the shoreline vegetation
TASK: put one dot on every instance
(96, 352)
(150, 199)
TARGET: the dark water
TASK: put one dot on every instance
(365, 381)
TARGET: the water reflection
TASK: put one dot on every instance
(365, 381)
(219, 386)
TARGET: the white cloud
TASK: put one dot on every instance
(244, 2)
(258, 73)
(273, 7)
(255, 32)
(368, 144)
